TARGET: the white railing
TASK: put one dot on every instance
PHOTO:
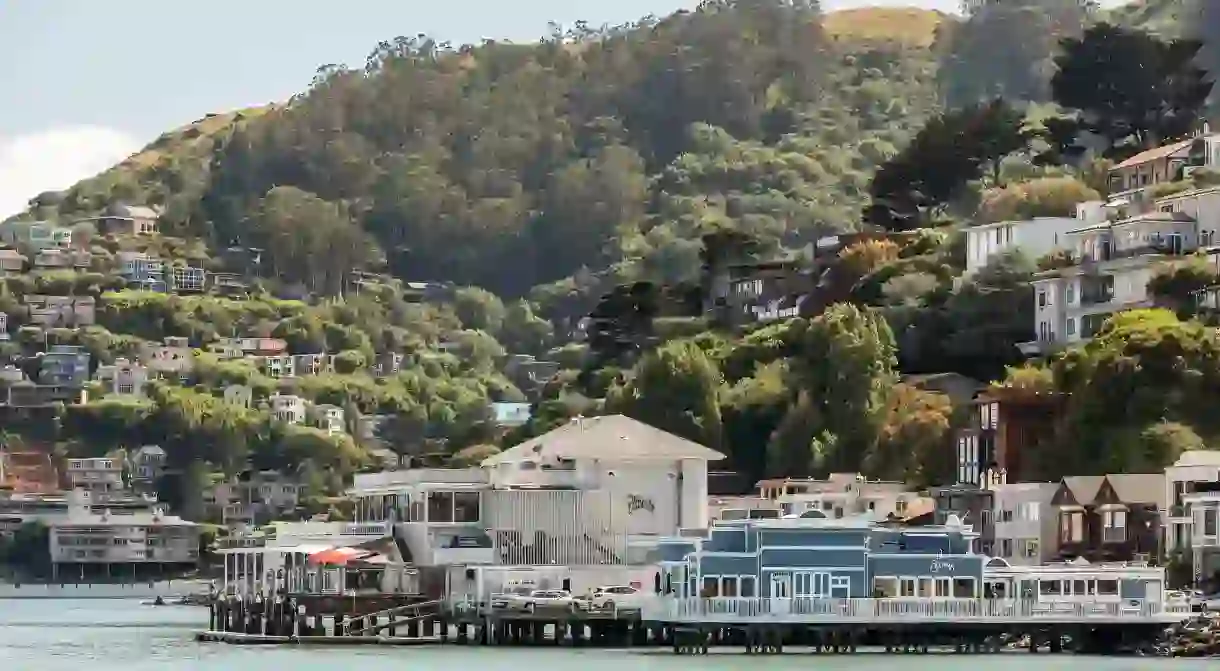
(900, 610)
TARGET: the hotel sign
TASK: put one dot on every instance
(635, 503)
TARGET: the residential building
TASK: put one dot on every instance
(26, 394)
(99, 475)
(237, 394)
(187, 279)
(288, 408)
(840, 495)
(253, 498)
(142, 271)
(35, 236)
(1194, 470)
(294, 365)
(1115, 261)
(1204, 507)
(757, 292)
(276, 367)
(237, 347)
(1110, 517)
(1133, 178)
(86, 537)
(59, 259)
(1004, 427)
(147, 464)
(174, 357)
(960, 389)
(329, 418)
(124, 220)
(970, 504)
(124, 378)
(1026, 524)
(1034, 238)
(61, 311)
(388, 364)
(12, 262)
(4, 336)
(509, 415)
(229, 284)
(65, 365)
(28, 471)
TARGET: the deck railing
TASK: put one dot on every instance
(882, 610)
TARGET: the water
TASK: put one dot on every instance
(123, 635)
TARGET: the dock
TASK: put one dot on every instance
(694, 626)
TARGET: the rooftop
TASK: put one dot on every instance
(610, 437)
(1154, 154)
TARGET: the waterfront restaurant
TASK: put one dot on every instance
(852, 569)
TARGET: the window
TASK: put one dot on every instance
(1029, 548)
(1042, 298)
(1005, 547)
(906, 587)
(728, 585)
(711, 586)
(1115, 518)
(1049, 588)
(927, 587)
(466, 507)
(1210, 521)
(1107, 587)
(1071, 326)
(963, 588)
(748, 586)
(1070, 293)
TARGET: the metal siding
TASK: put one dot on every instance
(814, 558)
(722, 565)
(548, 528)
(812, 537)
(727, 539)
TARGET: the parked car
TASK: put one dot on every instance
(617, 597)
(552, 599)
(514, 597)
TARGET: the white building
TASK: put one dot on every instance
(147, 463)
(329, 418)
(173, 357)
(841, 495)
(1182, 479)
(99, 475)
(114, 537)
(240, 395)
(1115, 261)
(1025, 522)
(288, 408)
(1035, 238)
(591, 499)
(124, 378)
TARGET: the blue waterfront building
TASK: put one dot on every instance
(822, 558)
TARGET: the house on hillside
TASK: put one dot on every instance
(124, 220)
(1110, 517)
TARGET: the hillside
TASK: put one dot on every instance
(478, 165)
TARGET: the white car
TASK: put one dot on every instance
(551, 599)
(514, 597)
(617, 597)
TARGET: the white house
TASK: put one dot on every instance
(1024, 522)
(288, 408)
(173, 357)
(124, 378)
(1115, 261)
(329, 418)
(1033, 237)
(238, 394)
(98, 475)
(1193, 469)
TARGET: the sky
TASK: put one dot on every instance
(86, 83)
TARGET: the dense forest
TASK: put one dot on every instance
(543, 176)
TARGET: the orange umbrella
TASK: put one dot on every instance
(339, 556)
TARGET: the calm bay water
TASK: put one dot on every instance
(124, 635)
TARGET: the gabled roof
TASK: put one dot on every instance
(610, 437)
(1138, 487)
(1154, 154)
(1079, 489)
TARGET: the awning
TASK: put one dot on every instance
(339, 556)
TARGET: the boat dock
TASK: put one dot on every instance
(693, 626)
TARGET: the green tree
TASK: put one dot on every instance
(674, 388)
(1131, 88)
